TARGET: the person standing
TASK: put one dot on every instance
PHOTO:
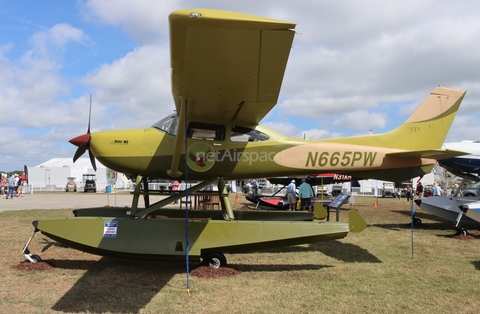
(420, 190)
(175, 188)
(3, 186)
(409, 193)
(19, 186)
(15, 185)
(305, 193)
(23, 176)
(436, 190)
(291, 198)
(11, 186)
(254, 186)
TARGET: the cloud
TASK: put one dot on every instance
(144, 20)
(134, 86)
(33, 81)
(50, 42)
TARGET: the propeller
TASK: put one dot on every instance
(83, 142)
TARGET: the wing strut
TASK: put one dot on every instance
(179, 140)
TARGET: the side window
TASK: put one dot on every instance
(206, 131)
(243, 134)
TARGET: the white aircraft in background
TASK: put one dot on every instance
(458, 207)
(466, 166)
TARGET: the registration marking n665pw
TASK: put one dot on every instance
(344, 159)
(334, 156)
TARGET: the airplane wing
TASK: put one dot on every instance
(228, 66)
(437, 154)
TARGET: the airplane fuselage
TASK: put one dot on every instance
(150, 152)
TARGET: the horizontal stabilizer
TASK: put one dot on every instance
(437, 154)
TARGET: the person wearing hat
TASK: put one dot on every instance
(305, 193)
(291, 198)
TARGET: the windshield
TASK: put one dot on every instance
(168, 124)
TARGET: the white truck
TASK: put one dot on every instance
(388, 189)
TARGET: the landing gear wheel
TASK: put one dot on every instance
(417, 221)
(36, 258)
(215, 260)
(461, 232)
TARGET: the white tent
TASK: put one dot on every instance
(53, 174)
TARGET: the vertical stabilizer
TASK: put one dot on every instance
(429, 124)
(425, 129)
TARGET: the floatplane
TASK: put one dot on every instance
(458, 208)
(227, 70)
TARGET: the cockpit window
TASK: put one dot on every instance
(168, 124)
(243, 134)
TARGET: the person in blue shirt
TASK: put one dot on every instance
(291, 197)
(436, 190)
(11, 186)
(305, 193)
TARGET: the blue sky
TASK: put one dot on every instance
(354, 67)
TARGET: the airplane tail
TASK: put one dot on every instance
(424, 132)
(429, 124)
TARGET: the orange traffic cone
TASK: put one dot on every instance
(236, 198)
(374, 204)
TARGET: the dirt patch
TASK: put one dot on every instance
(201, 272)
(28, 266)
(210, 272)
(463, 237)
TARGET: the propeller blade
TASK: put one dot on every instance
(80, 151)
(92, 160)
(83, 141)
(89, 115)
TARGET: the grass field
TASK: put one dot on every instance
(388, 268)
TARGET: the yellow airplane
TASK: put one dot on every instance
(227, 70)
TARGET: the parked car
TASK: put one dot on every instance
(71, 185)
(472, 190)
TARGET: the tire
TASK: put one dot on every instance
(462, 232)
(36, 258)
(215, 260)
